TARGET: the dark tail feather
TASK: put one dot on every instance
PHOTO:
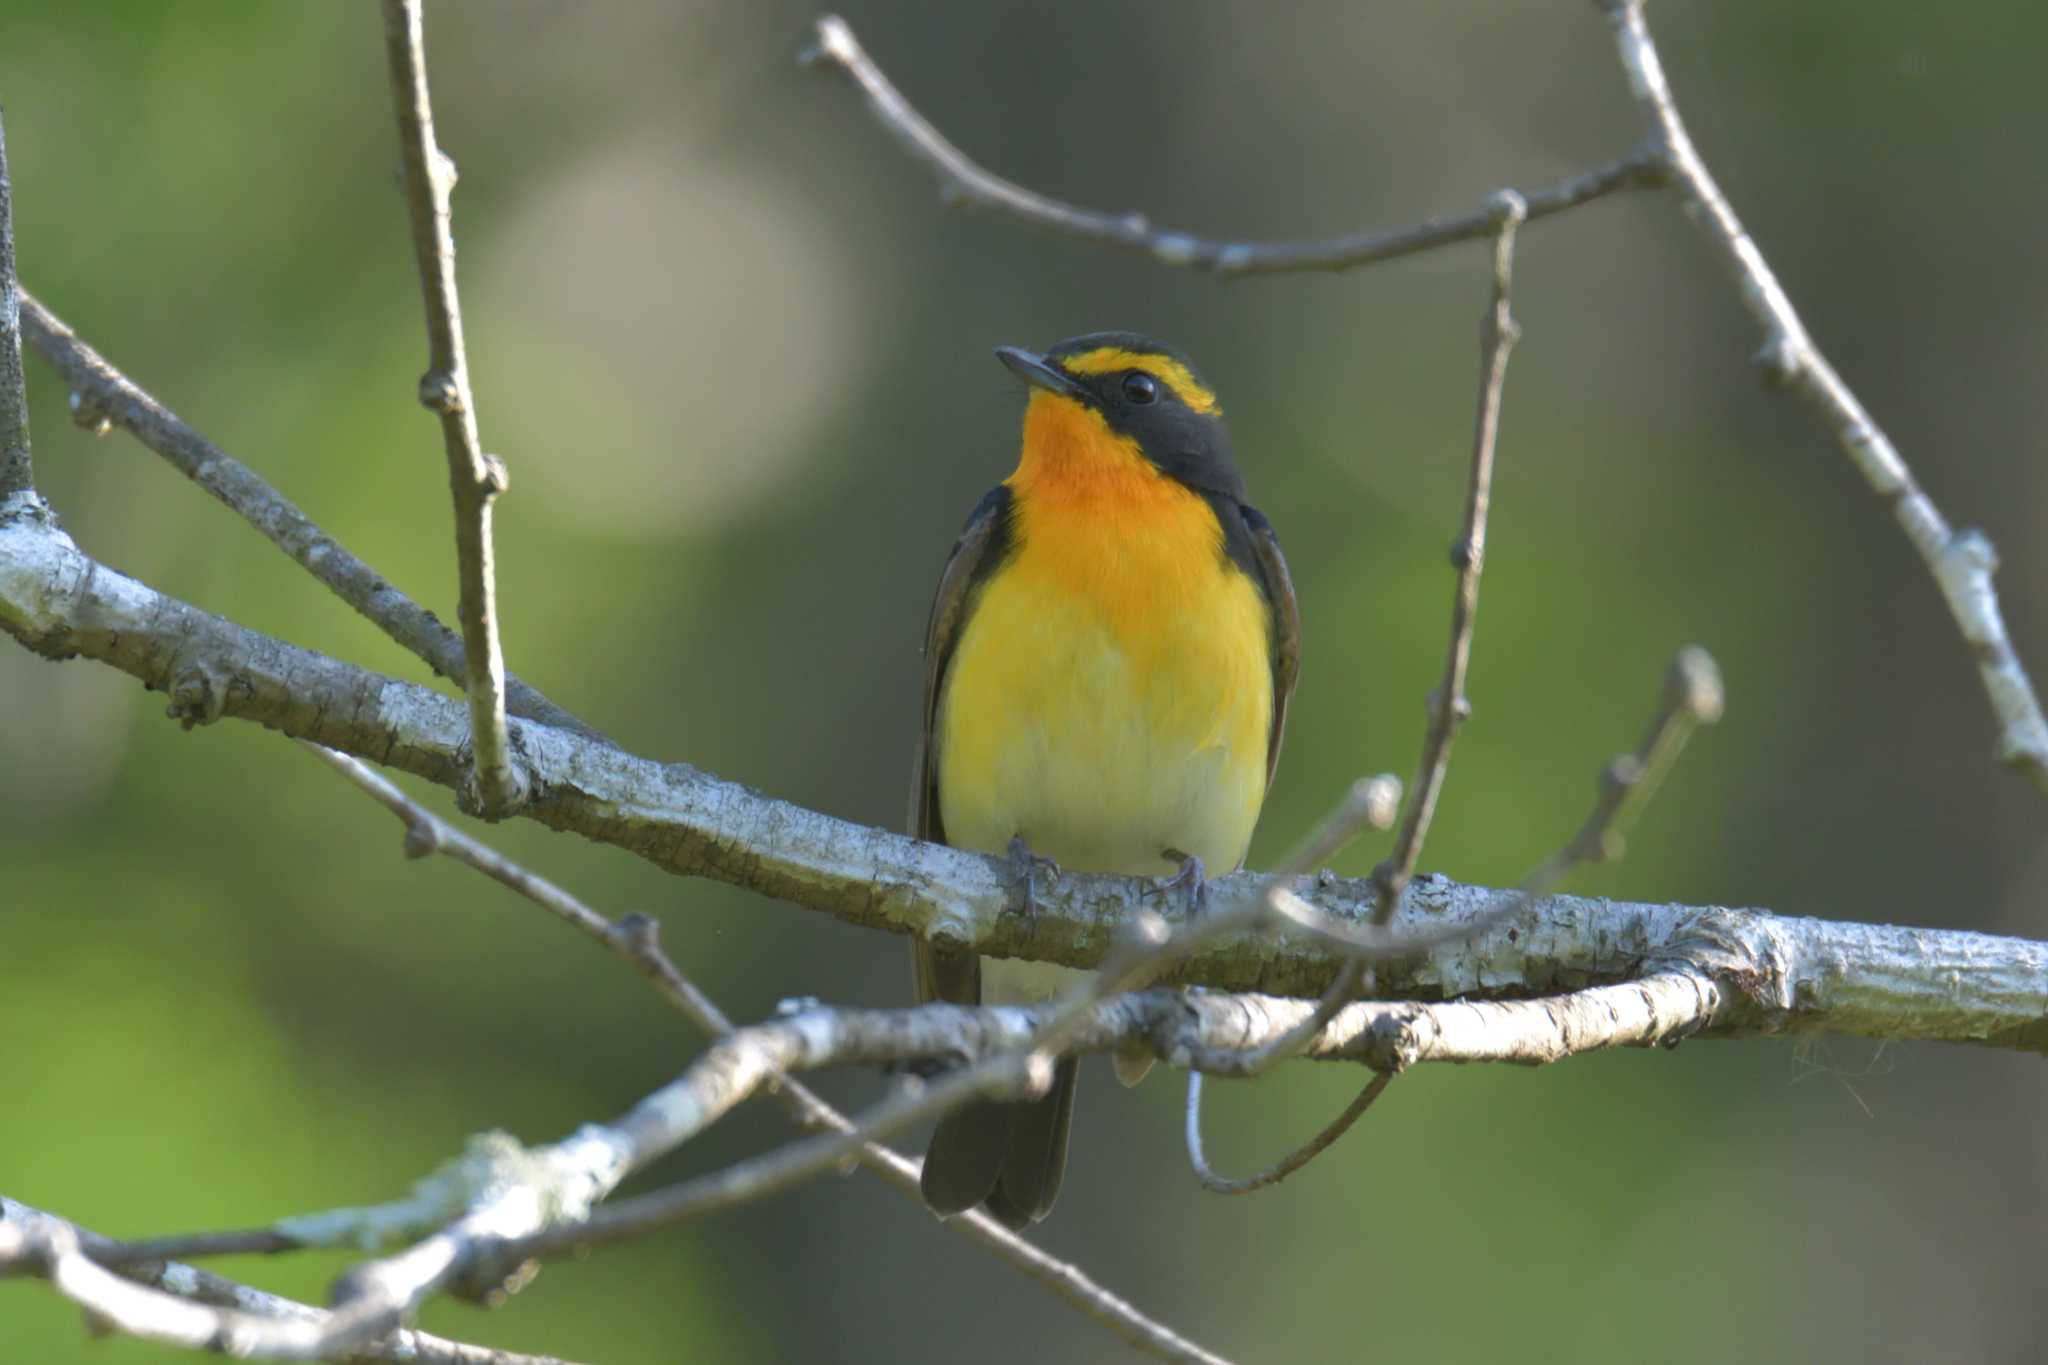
(1010, 1157)
(1037, 1160)
(965, 1156)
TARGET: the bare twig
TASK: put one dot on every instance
(1961, 562)
(1692, 696)
(1448, 705)
(177, 1304)
(194, 1246)
(637, 939)
(962, 181)
(1287, 1165)
(1369, 803)
(17, 466)
(475, 477)
(102, 396)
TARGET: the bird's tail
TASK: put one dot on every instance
(1008, 1157)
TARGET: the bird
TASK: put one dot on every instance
(1108, 663)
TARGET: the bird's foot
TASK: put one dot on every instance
(1026, 867)
(1189, 876)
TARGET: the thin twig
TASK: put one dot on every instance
(636, 938)
(195, 1246)
(17, 466)
(474, 477)
(1692, 696)
(733, 1070)
(180, 1305)
(103, 397)
(1448, 705)
(1369, 803)
(963, 182)
(1961, 562)
(1287, 1165)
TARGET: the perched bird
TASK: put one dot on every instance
(1107, 669)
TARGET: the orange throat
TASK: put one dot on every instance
(1072, 457)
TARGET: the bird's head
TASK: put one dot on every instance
(1117, 401)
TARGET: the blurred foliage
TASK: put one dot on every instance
(737, 360)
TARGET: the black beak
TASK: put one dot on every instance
(1039, 372)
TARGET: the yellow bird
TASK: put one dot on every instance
(1107, 670)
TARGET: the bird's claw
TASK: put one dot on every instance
(1190, 875)
(1026, 866)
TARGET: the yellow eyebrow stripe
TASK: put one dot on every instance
(1165, 369)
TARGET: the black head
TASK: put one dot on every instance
(1145, 390)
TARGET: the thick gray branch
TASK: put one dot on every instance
(1784, 973)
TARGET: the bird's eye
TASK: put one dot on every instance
(1140, 387)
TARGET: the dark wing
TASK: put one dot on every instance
(983, 544)
(1272, 576)
(964, 1162)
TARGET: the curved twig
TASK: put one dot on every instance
(1287, 1165)
(962, 181)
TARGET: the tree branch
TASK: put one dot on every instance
(102, 396)
(963, 182)
(1196, 1030)
(1448, 705)
(474, 477)
(637, 939)
(17, 465)
(182, 1306)
(1962, 562)
(541, 1202)
(1865, 980)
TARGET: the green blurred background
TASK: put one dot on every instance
(736, 357)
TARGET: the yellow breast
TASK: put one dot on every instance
(1109, 696)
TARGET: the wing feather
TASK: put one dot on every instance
(983, 544)
(1279, 589)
